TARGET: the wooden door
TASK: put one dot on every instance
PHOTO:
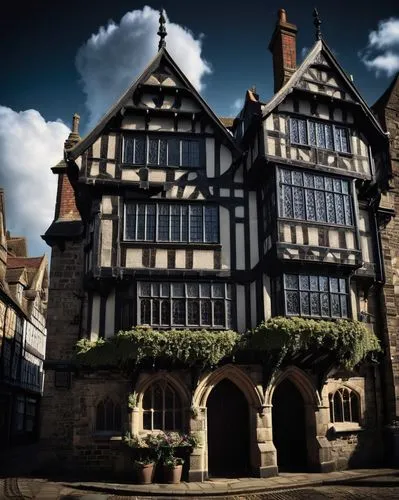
(289, 430)
(228, 431)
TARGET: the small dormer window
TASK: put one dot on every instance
(319, 134)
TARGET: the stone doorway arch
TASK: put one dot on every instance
(316, 417)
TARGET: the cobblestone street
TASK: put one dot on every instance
(375, 488)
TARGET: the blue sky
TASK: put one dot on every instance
(59, 61)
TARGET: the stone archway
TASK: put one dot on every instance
(228, 433)
(316, 417)
(262, 459)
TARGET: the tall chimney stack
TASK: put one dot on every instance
(283, 48)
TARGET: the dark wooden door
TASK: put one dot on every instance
(289, 430)
(228, 431)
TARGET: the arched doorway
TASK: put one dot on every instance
(228, 431)
(289, 429)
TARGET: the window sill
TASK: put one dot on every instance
(107, 436)
(330, 225)
(342, 427)
(171, 167)
(324, 150)
(172, 244)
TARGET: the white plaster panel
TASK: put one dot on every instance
(133, 123)
(239, 175)
(304, 107)
(94, 169)
(224, 217)
(180, 259)
(239, 193)
(157, 123)
(161, 259)
(364, 221)
(225, 158)
(203, 259)
(157, 176)
(267, 304)
(338, 115)
(110, 315)
(350, 240)
(240, 246)
(188, 191)
(313, 236)
(333, 239)
(78, 161)
(239, 211)
(172, 193)
(110, 169)
(241, 320)
(210, 157)
(106, 243)
(97, 148)
(134, 257)
(287, 233)
(268, 124)
(189, 105)
(106, 205)
(111, 146)
(253, 229)
(130, 175)
(299, 235)
(323, 111)
(353, 298)
(367, 248)
(224, 192)
(95, 317)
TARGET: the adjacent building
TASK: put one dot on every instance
(23, 306)
(171, 217)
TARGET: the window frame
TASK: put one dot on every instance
(334, 128)
(309, 291)
(313, 189)
(353, 397)
(116, 407)
(182, 140)
(176, 410)
(208, 211)
(200, 299)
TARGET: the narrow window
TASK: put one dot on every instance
(108, 416)
(162, 408)
(344, 406)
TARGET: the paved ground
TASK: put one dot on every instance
(348, 485)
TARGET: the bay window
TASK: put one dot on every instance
(181, 223)
(185, 304)
(319, 296)
(314, 197)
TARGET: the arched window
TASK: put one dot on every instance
(344, 405)
(108, 416)
(162, 408)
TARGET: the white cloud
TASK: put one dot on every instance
(29, 146)
(304, 52)
(387, 34)
(382, 52)
(237, 105)
(113, 57)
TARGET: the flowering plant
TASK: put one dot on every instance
(172, 461)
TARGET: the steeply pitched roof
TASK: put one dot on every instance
(16, 245)
(384, 101)
(28, 262)
(320, 47)
(162, 56)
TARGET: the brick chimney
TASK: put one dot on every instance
(65, 208)
(283, 47)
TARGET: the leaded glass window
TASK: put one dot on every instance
(319, 134)
(344, 406)
(108, 416)
(185, 304)
(163, 151)
(162, 408)
(314, 295)
(171, 222)
(319, 198)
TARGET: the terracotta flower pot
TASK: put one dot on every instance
(172, 475)
(145, 473)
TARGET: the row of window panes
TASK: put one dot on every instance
(321, 135)
(318, 296)
(171, 222)
(189, 290)
(108, 416)
(318, 198)
(143, 150)
(185, 306)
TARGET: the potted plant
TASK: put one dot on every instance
(172, 469)
(144, 459)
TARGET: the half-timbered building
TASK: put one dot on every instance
(170, 217)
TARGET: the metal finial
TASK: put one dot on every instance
(253, 89)
(317, 23)
(162, 30)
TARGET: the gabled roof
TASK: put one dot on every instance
(162, 55)
(320, 47)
